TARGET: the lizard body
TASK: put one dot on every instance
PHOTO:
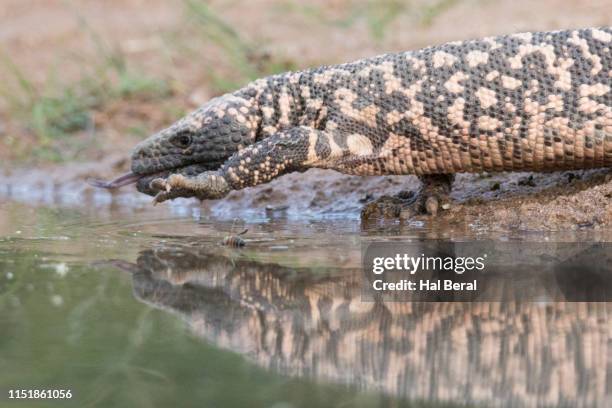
(524, 102)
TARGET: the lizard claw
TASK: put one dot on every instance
(431, 205)
(160, 184)
(163, 188)
(159, 198)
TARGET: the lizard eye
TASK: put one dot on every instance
(181, 139)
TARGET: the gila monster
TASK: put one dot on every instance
(536, 101)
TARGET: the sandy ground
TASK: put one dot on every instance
(153, 35)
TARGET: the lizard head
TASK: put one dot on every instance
(200, 141)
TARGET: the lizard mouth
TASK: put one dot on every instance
(143, 180)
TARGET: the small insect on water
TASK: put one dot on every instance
(235, 241)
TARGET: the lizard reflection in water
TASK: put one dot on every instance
(302, 323)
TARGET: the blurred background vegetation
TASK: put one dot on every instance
(82, 79)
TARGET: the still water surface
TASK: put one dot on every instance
(145, 308)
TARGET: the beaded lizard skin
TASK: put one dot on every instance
(536, 101)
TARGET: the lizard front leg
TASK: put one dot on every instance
(207, 185)
(296, 149)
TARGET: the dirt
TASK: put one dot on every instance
(41, 36)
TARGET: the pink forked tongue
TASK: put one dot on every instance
(120, 181)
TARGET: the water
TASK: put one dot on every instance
(126, 307)
(71, 319)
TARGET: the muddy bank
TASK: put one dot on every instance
(558, 201)
(507, 201)
(523, 201)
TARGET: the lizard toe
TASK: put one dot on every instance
(159, 184)
(432, 205)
